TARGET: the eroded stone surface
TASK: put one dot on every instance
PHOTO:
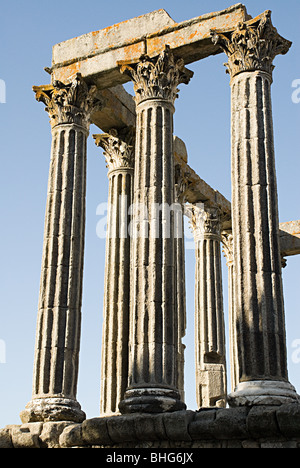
(260, 427)
(96, 57)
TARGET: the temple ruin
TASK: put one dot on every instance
(151, 188)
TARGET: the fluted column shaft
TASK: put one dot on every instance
(181, 309)
(259, 314)
(119, 152)
(211, 385)
(227, 240)
(255, 230)
(181, 183)
(153, 359)
(59, 314)
(154, 333)
(258, 283)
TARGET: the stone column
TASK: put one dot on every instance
(181, 183)
(59, 315)
(259, 306)
(119, 154)
(211, 388)
(153, 385)
(227, 239)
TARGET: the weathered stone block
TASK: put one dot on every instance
(93, 56)
(290, 238)
(118, 35)
(118, 110)
(27, 435)
(201, 428)
(95, 431)
(177, 424)
(231, 424)
(72, 436)
(150, 427)
(5, 439)
(51, 433)
(121, 428)
(288, 418)
(262, 423)
(188, 35)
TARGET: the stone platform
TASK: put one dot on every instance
(256, 427)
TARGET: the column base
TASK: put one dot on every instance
(52, 409)
(263, 392)
(151, 400)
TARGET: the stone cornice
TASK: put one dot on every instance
(118, 148)
(252, 46)
(157, 78)
(69, 103)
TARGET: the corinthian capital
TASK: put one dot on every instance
(253, 45)
(157, 77)
(205, 222)
(69, 103)
(118, 148)
(212, 222)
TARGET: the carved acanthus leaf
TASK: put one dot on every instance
(212, 222)
(181, 183)
(118, 147)
(227, 241)
(283, 262)
(69, 103)
(205, 222)
(253, 45)
(157, 77)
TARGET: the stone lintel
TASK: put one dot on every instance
(118, 110)
(290, 238)
(96, 55)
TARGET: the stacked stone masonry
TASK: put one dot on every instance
(142, 375)
(256, 427)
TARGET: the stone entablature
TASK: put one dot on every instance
(97, 55)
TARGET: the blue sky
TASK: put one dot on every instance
(27, 33)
